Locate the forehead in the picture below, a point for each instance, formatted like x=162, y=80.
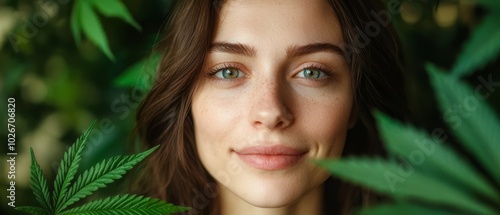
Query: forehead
x=271, y=22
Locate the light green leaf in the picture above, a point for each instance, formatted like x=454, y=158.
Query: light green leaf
x=399, y=181
x=139, y=74
x=68, y=167
x=75, y=22
x=431, y=157
x=115, y=8
x=476, y=124
x=32, y=210
x=103, y=173
x=126, y=204
x=405, y=208
x=92, y=28
x=38, y=184
x=481, y=48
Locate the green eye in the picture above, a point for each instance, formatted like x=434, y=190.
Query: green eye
x=311, y=73
x=229, y=73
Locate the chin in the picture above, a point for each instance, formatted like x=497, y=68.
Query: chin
x=274, y=191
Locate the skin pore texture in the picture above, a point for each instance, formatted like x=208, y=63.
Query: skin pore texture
x=275, y=84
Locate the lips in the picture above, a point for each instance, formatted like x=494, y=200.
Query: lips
x=275, y=157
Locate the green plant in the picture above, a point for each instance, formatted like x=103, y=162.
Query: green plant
x=84, y=18
x=105, y=172
x=423, y=174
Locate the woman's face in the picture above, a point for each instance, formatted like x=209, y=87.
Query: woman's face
x=275, y=92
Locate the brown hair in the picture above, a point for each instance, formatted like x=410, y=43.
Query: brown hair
x=174, y=172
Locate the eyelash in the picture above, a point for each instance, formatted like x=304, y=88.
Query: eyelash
x=328, y=74
x=220, y=67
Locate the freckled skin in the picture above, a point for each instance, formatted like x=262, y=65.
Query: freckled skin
x=272, y=103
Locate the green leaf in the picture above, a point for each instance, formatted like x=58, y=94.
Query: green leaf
x=404, y=208
x=399, y=181
x=103, y=173
x=115, y=8
x=472, y=120
x=68, y=168
x=492, y=4
x=430, y=156
x=481, y=48
x=139, y=74
x=38, y=184
x=126, y=204
x=92, y=28
x=32, y=210
x=75, y=22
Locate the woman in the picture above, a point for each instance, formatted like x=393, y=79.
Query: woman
x=248, y=92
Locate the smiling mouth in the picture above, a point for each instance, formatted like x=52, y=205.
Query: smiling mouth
x=271, y=158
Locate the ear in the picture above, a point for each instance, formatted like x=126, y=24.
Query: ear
x=353, y=118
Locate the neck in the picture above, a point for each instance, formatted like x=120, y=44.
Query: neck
x=311, y=203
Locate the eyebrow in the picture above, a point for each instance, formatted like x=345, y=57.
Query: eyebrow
x=233, y=48
x=296, y=50
x=292, y=51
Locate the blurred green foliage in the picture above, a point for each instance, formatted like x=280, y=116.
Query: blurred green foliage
x=62, y=81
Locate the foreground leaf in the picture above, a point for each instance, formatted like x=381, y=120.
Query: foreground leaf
x=481, y=48
x=68, y=167
x=38, y=184
x=103, y=173
x=430, y=156
x=400, y=181
x=127, y=204
x=476, y=124
x=405, y=208
x=32, y=210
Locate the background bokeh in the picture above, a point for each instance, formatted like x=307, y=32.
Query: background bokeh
x=60, y=86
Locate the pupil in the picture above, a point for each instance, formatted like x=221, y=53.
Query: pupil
x=310, y=73
x=229, y=73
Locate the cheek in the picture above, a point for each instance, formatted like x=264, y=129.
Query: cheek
x=214, y=119
x=325, y=120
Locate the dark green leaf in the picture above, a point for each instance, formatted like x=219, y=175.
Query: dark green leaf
x=476, y=124
x=68, y=168
x=38, y=184
x=404, y=208
x=75, y=22
x=32, y=210
x=115, y=8
x=402, y=181
x=103, y=173
x=481, y=48
x=430, y=156
x=139, y=74
x=491, y=4
x=92, y=28
x=127, y=204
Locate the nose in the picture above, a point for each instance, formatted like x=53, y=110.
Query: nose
x=269, y=109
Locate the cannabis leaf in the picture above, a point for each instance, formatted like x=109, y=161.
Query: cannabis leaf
x=38, y=184
x=481, y=48
x=84, y=18
x=423, y=173
x=105, y=172
x=68, y=168
x=126, y=204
